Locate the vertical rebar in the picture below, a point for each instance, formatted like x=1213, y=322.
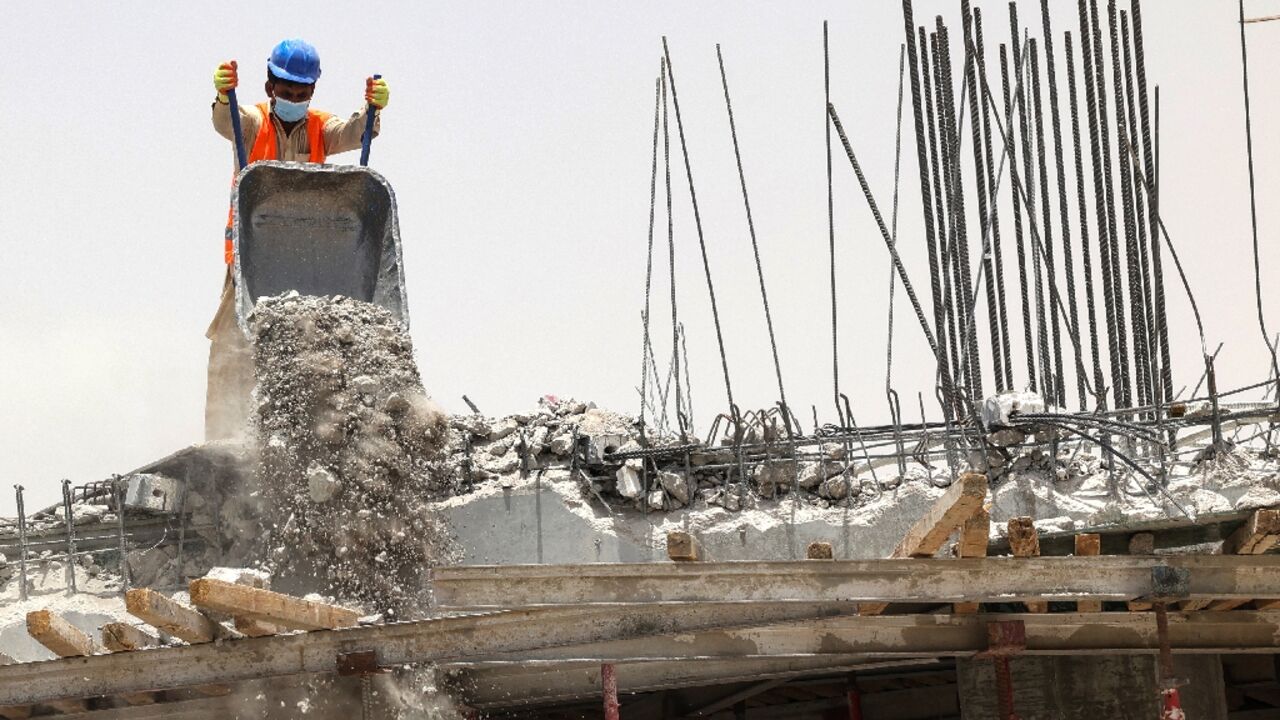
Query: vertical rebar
x=1054, y=390
x=831, y=214
x=69, y=517
x=1127, y=208
x=671, y=257
x=1155, y=393
x=22, y=544
x=1123, y=390
x=1015, y=183
x=1083, y=207
x=994, y=201
x=922, y=163
x=981, y=156
x=939, y=263
x=967, y=336
x=1099, y=197
x=946, y=220
x=1027, y=195
x=646, y=352
x=1055, y=119
x=697, y=222
x=1149, y=164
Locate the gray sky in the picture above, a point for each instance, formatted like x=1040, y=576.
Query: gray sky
x=518, y=142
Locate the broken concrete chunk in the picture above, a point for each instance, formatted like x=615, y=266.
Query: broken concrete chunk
x=656, y=499
x=675, y=486
x=502, y=428
x=629, y=482
x=562, y=444
x=322, y=485
x=836, y=488
x=773, y=477
x=1007, y=437
x=998, y=410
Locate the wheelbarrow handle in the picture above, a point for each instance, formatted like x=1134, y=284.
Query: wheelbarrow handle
x=367, y=139
x=235, y=128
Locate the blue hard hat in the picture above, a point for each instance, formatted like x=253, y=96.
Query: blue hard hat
x=295, y=60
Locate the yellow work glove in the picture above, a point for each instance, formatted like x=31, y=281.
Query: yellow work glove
x=225, y=78
x=376, y=92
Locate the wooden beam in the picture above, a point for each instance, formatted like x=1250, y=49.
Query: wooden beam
x=1266, y=604
x=1025, y=543
x=681, y=546
x=1259, y=534
x=933, y=580
x=140, y=698
x=272, y=607
x=1088, y=545
x=15, y=712
x=170, y=617
x=1222, y=605
x=61, y=637
x=123, y=637
x=959, y=503
x=255, y=628
x=1195, y=605
x=974, y=537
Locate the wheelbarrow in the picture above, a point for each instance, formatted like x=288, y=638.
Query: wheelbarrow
x=319, y=230
x=315, y=229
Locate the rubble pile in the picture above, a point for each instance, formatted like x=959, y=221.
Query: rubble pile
x=350, y=451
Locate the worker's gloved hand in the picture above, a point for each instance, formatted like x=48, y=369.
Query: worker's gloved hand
x=225, y=78
x=376, y=92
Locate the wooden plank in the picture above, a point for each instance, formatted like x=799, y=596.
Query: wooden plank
x=170, y=617
x=123, y=637
x=1259, y=534
x=141, y=698
x=949, y=512
x=681, y=546
x=1226, y=604
x=1025, y=543
x=974, y=536
x=69, y=706
x=1088, y=545
x=1195, y=605
x=1266, y=604
x=255, y=628
x=959, y=503
x=272, y=607
x=15, y=712
x=61, y=637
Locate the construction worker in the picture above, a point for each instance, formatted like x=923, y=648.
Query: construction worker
x=283, y=128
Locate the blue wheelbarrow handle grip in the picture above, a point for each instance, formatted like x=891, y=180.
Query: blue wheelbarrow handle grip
x=367, y=139
x=235, y=128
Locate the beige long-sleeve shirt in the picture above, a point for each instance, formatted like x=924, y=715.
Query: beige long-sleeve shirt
x=339, y=135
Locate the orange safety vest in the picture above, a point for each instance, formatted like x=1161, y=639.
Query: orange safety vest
x=264, y=148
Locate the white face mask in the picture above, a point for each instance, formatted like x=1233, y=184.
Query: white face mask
x=291, y=111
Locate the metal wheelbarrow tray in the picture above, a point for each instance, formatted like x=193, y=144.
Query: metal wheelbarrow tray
x=319, y=230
